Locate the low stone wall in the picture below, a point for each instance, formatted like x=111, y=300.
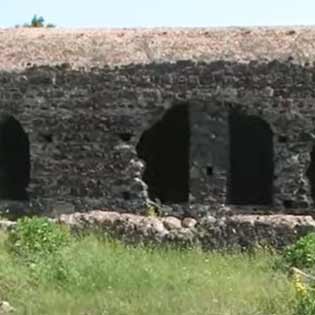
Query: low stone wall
x=210, y=233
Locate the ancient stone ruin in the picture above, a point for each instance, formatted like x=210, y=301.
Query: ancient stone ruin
x=186, y=121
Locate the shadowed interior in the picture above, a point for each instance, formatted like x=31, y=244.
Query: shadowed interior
x=165, y=149
x=14, y=159
x=251, y=160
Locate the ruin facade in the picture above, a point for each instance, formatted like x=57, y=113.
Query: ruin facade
x=186, y=133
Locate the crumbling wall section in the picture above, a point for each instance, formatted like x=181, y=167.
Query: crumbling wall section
x=84, y=127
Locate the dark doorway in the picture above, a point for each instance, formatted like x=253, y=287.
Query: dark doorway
x=251, y=160
x=311, y=173
x=165, y=149
x=14, y=159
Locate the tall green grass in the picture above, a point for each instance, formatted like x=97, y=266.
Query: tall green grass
x=94, y=277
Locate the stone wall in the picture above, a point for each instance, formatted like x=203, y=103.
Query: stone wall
x=209, y=233
x=84, y=128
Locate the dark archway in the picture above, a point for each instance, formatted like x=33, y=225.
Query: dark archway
x=14, y=159
x=165, y=149
x=251, y=160
x=310, y=173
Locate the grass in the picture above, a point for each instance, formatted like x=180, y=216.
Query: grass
x=97, y=277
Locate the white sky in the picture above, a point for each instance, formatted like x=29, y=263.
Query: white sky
x=150, y=13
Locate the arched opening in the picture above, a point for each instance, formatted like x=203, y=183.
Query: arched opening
x=165, y=149
x=251, y=160
x=14, y=159
x=310, y=173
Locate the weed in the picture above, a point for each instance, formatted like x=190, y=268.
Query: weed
x=302, y=253
x=36, y=237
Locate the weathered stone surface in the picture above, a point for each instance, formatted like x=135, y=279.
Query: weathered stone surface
x=6, y=308
x=84, y=124
x=94, y=168
x=13, y=209
x=209, y=219
x=189, y=223
x=6, y=225
x=171, y=223
x=234, y=231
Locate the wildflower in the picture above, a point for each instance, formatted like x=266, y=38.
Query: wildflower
x=299, y=285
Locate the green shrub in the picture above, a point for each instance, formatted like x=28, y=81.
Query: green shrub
x=50, y=25
x=302, y=253
x=305, y=305
x=35, y=237
x=37, y=22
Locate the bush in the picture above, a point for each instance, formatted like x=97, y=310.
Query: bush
x=34, y=237
x=302, y=253
x=50, y=25
x=36, y=22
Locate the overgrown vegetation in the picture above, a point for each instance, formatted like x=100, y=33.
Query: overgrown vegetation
x=45, y=270
x=305, y=297
x=36, y=22
x=37, y=237
x=302, y=255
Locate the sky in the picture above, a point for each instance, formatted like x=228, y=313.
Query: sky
x=154, y=13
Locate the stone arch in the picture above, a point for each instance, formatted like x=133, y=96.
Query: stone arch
x=165, y=149
x=14, y=159
x=251, y=160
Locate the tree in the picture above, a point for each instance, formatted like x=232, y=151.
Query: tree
x=37, y=21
